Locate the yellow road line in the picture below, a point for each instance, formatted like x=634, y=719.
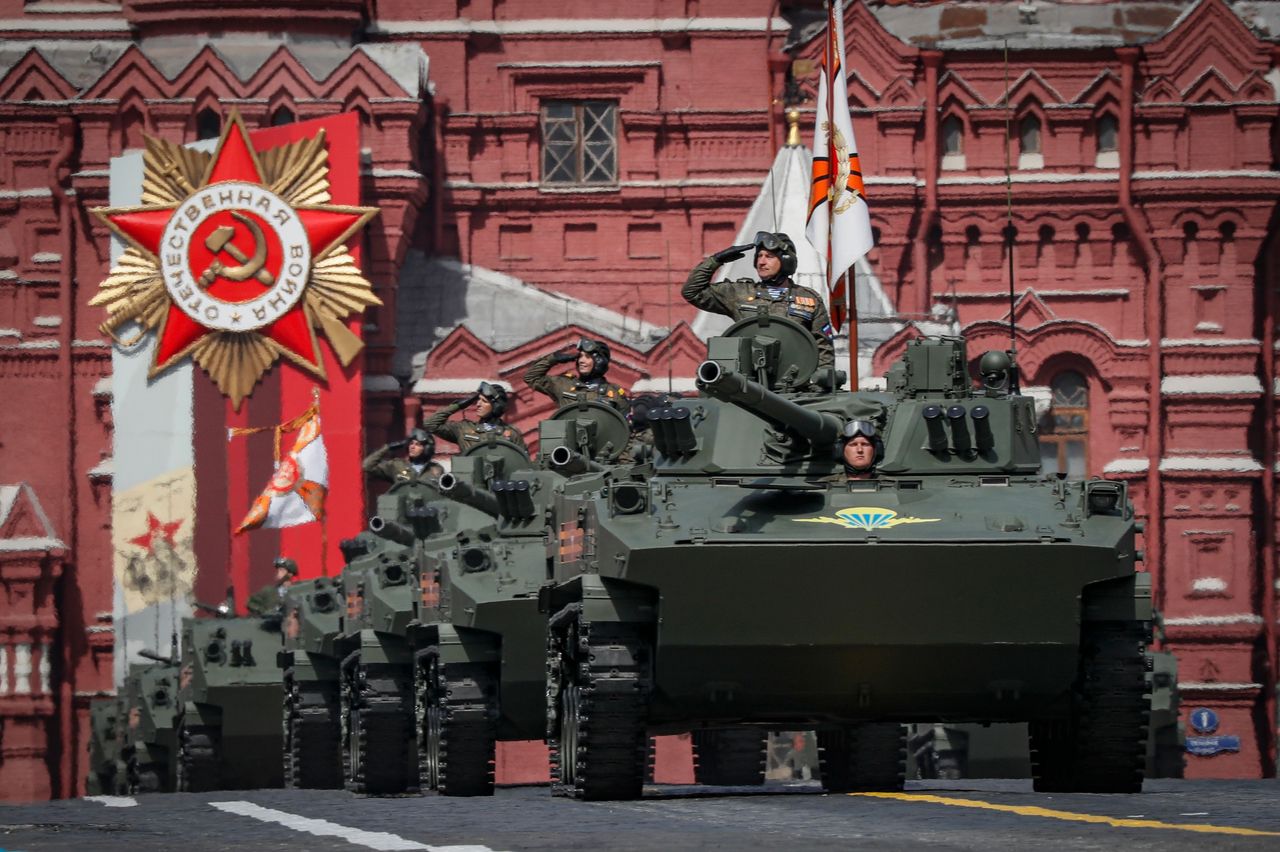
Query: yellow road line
x=1033, y=811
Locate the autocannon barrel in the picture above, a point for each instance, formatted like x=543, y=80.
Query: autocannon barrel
x=817, y=427
x=391, y=531
x=148, y=654
x=566, y=461
x=469, y=495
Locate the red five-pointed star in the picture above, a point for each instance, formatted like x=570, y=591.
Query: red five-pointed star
x=326, y=228
x=147, y=541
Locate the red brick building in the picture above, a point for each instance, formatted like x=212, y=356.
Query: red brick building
x=550, y=169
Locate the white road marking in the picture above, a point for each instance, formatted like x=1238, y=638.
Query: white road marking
x=380, y=840
x=113, y=801
x=1197, y=813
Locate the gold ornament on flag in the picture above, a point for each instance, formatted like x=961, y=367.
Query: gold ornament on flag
x=237, y=259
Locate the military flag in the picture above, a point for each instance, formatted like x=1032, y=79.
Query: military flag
x=839, y=225
x=296, y=493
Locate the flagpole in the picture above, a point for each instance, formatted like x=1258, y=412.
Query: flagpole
x=324, y=515
x=851, y=311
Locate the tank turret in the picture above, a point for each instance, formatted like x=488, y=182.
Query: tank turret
x=817, y=427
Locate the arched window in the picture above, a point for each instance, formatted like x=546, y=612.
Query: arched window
x=1064, y=428
x=1030, y=155
x=208, y=124
x=952, y=143
x=1107, y=133
x=282, y=115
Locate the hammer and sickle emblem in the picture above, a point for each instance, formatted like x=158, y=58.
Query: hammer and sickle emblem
x=249, y=267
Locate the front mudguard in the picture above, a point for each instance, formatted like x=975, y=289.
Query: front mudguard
x=603, y=599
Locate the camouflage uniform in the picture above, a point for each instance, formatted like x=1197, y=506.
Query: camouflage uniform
x=569, y=389
x=748, y=298
x=639, y=447
x=468, y=433
x=396, y=470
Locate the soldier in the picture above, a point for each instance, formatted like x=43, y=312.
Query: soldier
x=491, y=404
x=775, y=293
x=416, y=466
x=268, y=599
x=585, y=382
x=860, y=449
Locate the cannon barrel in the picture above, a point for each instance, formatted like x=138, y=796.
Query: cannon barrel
x=816, y=427
x=220, y=610
x=468, y=495
x=148, y=654
x=566, y=461
x=391, y=531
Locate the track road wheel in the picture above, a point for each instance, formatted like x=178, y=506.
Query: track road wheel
x=378, y=730
x=144, y=778
x=457, y=725
x=864, y=757
x=600, y=679
x=1101, y=746
x=199, y=746
x=730, y=757
x=312, y=736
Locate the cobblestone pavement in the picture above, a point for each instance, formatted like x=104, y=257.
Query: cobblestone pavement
x=959, y=815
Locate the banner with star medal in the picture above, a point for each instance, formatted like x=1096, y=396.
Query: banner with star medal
x=236, y=259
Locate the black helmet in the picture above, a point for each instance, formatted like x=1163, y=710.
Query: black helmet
x=866, y=429
x=782, y=246
x=497, y=396
x=290, y=567
x=600, y=356
x=423, y=437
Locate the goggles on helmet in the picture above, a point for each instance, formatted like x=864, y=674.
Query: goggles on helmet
x=588, y=346
x=768, y=242
x=854, y=428
x=489, y=391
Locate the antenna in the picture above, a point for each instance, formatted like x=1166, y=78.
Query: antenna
x=670, y=369
x=1008, y=228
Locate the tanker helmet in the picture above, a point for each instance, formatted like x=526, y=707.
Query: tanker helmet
x=861, y=428
x=782, y=246
x=423, y=437
x=600, y=356
x=497, y=396
x=287, y=565
x=994, y=368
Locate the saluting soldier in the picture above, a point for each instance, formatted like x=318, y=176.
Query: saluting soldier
x=491, y=403
x=585, y=382
x=775, y=293
x=416, y=466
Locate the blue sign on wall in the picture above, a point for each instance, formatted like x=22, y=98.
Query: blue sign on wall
x=1204, y=720
x=1205, y=746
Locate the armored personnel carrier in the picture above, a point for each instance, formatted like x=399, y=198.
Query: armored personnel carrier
x=376, y=670
x=150, y=747
x=106, y=775
x=229, y=698
x=477, y=635
x=312, y=723
x=657, y=612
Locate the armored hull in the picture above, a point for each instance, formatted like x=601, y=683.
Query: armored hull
x=754, y=580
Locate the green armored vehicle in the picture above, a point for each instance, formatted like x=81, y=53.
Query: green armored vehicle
x=656, y=621
x=150, y=748
x=107, y=772
x=376, y=668
x=229, y=695
x=478, y=636
x=312, y=723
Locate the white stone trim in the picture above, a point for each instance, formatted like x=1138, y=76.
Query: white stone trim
x=1209, y=464
x=46, y=322
x=45, y=668
x=1238, y=383
x=1220, y=173
x=21, y=669
x=658, y=384
x=1101, y=292
x=33, y=192
x=462, y=387
x=613, y=187
x=1206, y=686
x=1208, y=585
x=4, y=670
x=582, y=26
x=1213, y=620
x=102, y=387
x=1127, y=466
